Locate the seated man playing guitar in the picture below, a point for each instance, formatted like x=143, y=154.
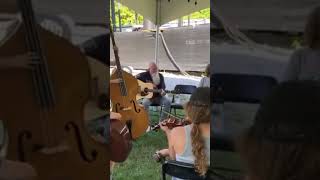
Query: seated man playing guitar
x=153, y=76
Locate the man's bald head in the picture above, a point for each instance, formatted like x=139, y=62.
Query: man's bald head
x=153, y=68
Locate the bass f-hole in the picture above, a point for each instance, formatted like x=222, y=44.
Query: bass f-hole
x=94, y=153
x=135, y=106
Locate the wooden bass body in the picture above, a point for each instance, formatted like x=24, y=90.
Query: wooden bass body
x=54, y=140
x=133, y=113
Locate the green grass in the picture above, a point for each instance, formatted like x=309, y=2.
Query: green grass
x=140, y=165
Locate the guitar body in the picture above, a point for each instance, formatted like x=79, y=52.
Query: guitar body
x=30, y=129
x=133, y=114
x=143, y=87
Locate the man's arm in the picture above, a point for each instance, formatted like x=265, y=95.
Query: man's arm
x=162, y=83
x=141, y=77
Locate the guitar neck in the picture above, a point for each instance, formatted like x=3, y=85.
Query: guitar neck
x=159, y=91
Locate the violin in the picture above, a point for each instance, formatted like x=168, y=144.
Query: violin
x=171, y=122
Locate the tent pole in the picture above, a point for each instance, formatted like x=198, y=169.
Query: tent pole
x=113, y=16
x=157, y=45
x=157, y=31
x=119, y=17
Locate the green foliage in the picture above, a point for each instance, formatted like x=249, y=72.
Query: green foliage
x=296, y=42
x=128, y=16
x=202, y=14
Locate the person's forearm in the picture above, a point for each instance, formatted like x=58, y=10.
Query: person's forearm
x=168, y=136
x=171, y=152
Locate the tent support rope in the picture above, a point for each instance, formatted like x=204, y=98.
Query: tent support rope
x=174, y=63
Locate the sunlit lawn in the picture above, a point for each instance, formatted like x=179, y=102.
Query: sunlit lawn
x=140, y=165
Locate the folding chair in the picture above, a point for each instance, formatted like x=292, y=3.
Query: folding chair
x=181, y=89
x=238, y=88
x=180, y=170
x=235, y=88
x=242, y=88
x=157, y=105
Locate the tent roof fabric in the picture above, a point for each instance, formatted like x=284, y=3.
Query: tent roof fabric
x=169, y=10
x=273, y=15
x=83, y=11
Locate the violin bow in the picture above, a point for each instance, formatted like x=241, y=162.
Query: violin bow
x=168, y=113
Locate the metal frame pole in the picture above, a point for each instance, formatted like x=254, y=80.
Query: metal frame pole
x=113, y=16
x=119, y=15
x=158, y=10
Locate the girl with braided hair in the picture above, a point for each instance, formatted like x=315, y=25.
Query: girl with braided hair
x=191, y=143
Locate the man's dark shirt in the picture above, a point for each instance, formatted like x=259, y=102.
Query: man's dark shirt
x=146, y=77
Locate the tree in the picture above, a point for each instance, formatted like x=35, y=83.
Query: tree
x=128, y=16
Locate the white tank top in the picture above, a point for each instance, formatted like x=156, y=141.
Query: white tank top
x=187, y=155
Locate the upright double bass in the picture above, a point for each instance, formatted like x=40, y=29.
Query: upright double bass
x=43, y=107
x=123, y=97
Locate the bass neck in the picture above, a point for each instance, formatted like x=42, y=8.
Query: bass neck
x=116, y=55
x=122, y=84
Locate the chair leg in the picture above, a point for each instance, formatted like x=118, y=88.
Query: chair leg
x=160, y=112
x=163, y=175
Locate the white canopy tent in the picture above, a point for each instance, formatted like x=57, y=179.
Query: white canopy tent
x=271, y=15
x=77, y=21
x=258, y=15
x=162, y=11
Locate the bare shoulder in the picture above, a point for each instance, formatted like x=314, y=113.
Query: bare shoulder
x=178, y=139
x=177, y=132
